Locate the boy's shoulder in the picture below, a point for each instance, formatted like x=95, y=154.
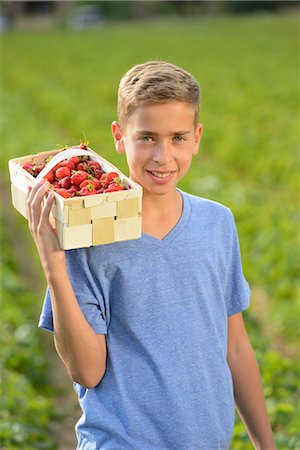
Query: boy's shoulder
x=207, y=206
x=210, y=216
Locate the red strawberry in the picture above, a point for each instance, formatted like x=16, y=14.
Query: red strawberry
x=97, y=183
x=65, y=182
x=103, y=178
x=56, y=167
x=68, y=163
x=40, y=167
x=79, y=166
x=114, y=187
x=74, y=159
x=63, y=192
x=73, y=191
x=29, y=167
x=110, y=177
x=78, y=177
x=89, y=189
x=62, y=172
x=98, y=173
x=84, y=183
x=50, y=176
x=82, y=165
x=94, y=165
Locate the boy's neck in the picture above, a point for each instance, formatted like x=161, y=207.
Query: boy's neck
x=159, y=206
x=160, y=214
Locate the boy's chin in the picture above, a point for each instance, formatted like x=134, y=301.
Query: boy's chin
x=159, y=191
x=152, y=188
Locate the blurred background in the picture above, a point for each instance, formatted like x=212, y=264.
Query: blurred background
x=61, y=63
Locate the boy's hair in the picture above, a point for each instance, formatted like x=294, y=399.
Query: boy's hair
x=156, y=82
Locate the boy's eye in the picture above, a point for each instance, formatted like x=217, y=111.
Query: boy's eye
x=179, y=138
x=146, y=138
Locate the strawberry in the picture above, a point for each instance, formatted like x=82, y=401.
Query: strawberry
x=68, y=163
x=73, y=191
x=96, y=183
x=98, y=173
x=89, y=189
x=62, y=172
x=103, y=178
x=63, y=192
x=114, y=187
x=56, y=167
x=40, y=167
x=94, y=165
x=84, y=183
x=29, y=167
x=74, y=159
x=81, y=166
x=110, y=177
x=65, y=182
x=78, y=177
x=50, y=176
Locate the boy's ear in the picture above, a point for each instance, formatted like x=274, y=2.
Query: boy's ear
x=118, y=137
x=198, y=135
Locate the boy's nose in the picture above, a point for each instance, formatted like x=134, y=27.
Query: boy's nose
x=162, y=153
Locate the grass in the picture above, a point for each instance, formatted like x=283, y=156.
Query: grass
x=58, y=84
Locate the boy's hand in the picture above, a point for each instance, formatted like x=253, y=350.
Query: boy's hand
x=38, y=207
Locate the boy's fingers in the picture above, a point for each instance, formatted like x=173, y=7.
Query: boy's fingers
x=47, y=208
x=32, y=191
x=35, y=203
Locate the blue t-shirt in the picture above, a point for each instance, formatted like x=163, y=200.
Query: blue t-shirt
x=164, y=307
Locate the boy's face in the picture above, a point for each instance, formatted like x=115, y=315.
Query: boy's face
x=159, y=142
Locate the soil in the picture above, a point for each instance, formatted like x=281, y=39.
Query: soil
x=67, y=410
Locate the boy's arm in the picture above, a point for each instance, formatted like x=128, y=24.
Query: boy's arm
x=81, y=349
x=248, y=391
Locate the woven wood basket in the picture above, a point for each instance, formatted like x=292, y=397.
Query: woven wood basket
x=83, y=221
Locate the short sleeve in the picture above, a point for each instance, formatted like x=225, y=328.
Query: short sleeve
x=88, y=291
x=237, y=290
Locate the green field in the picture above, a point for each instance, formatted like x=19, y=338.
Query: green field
x=58, y=85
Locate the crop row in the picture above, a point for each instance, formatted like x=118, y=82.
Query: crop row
x=26, y=406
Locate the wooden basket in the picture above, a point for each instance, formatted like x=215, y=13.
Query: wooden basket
x=83, y=221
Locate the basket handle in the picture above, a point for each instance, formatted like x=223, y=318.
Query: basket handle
x=68, y=153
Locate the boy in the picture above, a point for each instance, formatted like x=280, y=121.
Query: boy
x=151, y=330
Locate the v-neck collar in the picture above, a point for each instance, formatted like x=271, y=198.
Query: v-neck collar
x=179, y=227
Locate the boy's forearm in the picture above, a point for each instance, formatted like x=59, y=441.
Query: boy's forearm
x=76, y=342
x=81, y=349
x=249, y=397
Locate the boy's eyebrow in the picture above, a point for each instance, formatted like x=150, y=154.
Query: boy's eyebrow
x=154, y=133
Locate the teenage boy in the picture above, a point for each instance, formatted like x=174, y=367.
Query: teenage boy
x=151, y=330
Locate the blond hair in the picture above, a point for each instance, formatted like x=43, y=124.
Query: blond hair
x=156, y=82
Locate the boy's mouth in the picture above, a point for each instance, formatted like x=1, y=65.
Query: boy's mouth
x=160, y=177
x=160, y=174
